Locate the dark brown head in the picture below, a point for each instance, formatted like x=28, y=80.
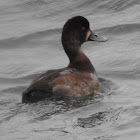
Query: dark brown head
x=76, y=31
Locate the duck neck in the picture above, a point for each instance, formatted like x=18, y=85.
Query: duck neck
x=77, y=58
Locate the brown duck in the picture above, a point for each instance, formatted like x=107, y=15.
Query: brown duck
x=79, y=77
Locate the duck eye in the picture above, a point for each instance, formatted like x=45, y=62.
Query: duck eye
x=83, y=28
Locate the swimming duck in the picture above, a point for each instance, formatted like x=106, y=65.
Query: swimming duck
x=79, y=77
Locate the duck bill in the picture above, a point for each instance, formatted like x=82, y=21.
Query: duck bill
x=94, y=37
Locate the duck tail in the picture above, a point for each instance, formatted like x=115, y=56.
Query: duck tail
x=33, y=96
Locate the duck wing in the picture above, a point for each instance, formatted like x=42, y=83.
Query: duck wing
x=40, y=88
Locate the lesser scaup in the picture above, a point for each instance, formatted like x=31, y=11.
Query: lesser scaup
x=79, y=77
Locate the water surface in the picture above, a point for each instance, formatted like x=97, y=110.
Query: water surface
x=30, y=40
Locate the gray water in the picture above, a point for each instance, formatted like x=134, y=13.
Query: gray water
x=30, y=32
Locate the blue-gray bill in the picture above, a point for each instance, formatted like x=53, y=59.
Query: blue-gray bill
x=94, y=37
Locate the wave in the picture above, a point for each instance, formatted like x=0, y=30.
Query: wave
x=96, y=4
x=121, y=29
x=118, y=5
x=111, y=116
x=53, y=10
x=14, y=90
x=50, y=8
x=16, y=41
x=20, y=79
x=18, y=84
x=118, y=29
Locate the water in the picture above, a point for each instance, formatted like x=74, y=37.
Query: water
x=30, y=32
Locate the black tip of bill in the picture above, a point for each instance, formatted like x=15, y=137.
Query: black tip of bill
x=94, y=37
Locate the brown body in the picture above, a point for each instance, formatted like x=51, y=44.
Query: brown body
x=78, y=78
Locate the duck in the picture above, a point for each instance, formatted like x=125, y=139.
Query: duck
x=79, y=78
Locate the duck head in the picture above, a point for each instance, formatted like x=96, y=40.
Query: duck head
x=77, y=30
